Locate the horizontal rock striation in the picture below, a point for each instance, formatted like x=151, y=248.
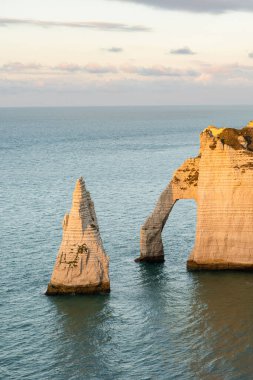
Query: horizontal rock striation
x=82, y=265
x=220, y=180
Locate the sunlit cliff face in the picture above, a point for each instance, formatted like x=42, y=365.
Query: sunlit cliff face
x=220, y=180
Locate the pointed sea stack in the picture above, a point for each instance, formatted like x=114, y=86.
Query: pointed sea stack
x=220, y=180
x=82, y=265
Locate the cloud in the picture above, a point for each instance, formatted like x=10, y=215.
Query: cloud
x=199, y=6
x=225, y=69
x=250, y=55
x=231, y=73
x=95, y=68
x=68, y=84
x=159, y=71
x=96, y=25
x=68, y=67
x=161, y=91
x=19, y=67
x=182, y=51
x=91, y=68
x=114, y=49
x=199, y=72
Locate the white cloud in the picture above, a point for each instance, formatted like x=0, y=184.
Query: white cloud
x=19, y=67
x=97, y=25
x=94, y=84
x=91, y=68
x=158, y=70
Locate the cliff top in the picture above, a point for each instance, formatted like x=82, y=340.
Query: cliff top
x=238, y=139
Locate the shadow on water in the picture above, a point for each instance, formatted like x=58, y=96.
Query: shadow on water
x=78, y=312
x=154, y=287
x=222, y=310
x=82, y=331
x=82, y=320
x=152, y=275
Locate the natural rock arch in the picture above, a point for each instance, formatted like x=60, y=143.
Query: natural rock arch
x=220, y=180
x=182, y=186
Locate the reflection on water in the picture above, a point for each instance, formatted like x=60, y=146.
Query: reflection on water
x=223, y=308
x=81, y=332
x=79, y=313
x=152, y=276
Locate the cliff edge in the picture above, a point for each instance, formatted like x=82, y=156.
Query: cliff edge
x=220, y=180
x=82, y=265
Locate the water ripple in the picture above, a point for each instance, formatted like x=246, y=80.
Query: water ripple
x=159, y=322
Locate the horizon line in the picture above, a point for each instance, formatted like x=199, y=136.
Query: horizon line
x=132, y=105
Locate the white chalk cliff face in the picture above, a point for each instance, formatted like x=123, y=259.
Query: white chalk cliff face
x=220, y=180
x=82, y=265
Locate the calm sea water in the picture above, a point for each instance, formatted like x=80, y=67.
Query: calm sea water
x=159, y=322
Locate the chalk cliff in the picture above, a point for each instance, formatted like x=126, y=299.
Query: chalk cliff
x=82, y=265
x=220, y=180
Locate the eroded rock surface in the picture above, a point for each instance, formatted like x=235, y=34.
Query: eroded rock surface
x=220, y=180
x=82, y=265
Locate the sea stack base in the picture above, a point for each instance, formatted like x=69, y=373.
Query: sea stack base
x=56, y=290
x=150, y=259
x=194, y=266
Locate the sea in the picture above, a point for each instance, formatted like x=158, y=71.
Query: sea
x=159, y=322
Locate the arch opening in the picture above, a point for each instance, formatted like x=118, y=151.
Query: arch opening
x=179, y=232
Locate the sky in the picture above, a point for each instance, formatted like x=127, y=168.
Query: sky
x=126, y=52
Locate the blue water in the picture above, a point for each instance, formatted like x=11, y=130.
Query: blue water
x=159, y=322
